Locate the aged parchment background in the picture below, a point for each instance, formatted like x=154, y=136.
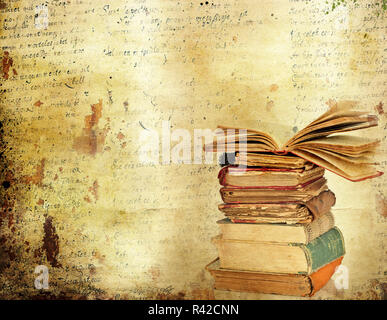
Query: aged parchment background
x=73, y=104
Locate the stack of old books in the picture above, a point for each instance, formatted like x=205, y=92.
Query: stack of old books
x=279, y=234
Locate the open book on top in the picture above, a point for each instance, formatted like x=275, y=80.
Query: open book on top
x=348, y=156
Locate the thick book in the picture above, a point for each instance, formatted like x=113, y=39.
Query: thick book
x=303, y=192
x=292, y=258
x=285, y=233
x=271, y=283
x=274, y=178
x=301, y=212
x=289, y=213
x=348, y=156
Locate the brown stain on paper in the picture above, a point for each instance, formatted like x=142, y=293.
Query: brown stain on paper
x=38, y=176
x=94, y=190
x=38, y=103
x=379, y=108
x=51, y=242
x=381, y=205
x=92, y=138
x=269, y=105
x=273, y=87
x=154, y=273
x=7, y=63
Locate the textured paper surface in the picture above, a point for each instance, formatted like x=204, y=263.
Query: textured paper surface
x=87, y=77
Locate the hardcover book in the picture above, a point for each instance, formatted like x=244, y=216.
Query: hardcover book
x=286, y=233
x=289, y=258
x=304, y=193
x=271, y=283
x=299, y=212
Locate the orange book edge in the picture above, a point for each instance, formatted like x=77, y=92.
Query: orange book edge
x=317, y=279
x=320, y=278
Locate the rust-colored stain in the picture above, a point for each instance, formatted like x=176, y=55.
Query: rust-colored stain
x=172, y=296
x=374, y=291
x=3, y=5
x=381, y=205
x=94, y=190
x=154, y=272
x=38, y=103
x=7, y=63
x=92, y=138
x=120, y=136
x=40, y=202
x=126, y=104
x=274, y=87
x=6, y=254
x=51, y=242
x=7, y=210
x=269, y=105
x=379, y=108
x=38, y=176
x=91, y=121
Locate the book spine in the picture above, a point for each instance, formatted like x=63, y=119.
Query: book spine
x=222, y=175
x=324, y=249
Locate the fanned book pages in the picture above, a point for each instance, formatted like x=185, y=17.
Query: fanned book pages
x=320, y=143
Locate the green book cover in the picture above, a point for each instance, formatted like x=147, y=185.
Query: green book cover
x=324, y=249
